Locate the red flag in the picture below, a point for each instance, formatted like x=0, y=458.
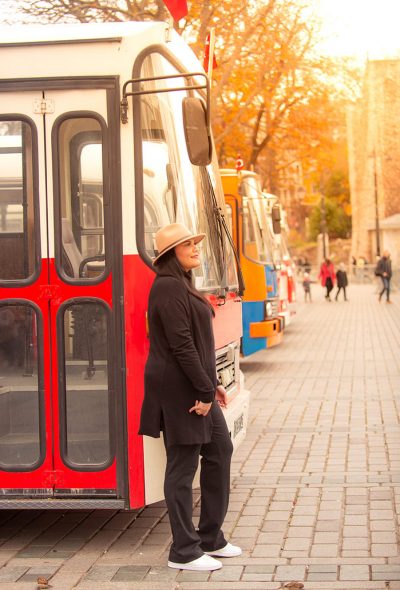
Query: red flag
x=239, y=163
x=206, y=59
x=177, y=8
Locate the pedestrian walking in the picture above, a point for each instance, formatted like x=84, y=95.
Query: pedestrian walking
x=384, y=270
x=183, y=400
x=327, y=276
x=307, y=287
x=341, y=281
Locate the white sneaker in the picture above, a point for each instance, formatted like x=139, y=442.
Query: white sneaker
x=228, y=551
x=201, y=564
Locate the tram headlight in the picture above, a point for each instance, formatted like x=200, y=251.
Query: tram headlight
x=268, y=309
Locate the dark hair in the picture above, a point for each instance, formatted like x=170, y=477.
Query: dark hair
x=168, y=266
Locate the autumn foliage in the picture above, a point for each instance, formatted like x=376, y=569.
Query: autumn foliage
x=275, y=100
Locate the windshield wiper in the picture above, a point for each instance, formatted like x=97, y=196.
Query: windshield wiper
x=221, y=221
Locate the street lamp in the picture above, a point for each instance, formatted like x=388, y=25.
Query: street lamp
x=323, y=223
x=377, y=231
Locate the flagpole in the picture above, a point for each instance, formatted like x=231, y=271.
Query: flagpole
x=211, y=54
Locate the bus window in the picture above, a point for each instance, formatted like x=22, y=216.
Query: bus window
x=85, y=392
x=20, y=435
x=81, y=203
x=17, y=214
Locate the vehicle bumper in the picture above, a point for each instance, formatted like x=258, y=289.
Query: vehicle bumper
x=265, y=329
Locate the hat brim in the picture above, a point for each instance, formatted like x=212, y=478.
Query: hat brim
x=197, y=238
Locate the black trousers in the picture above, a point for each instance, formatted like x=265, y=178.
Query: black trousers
x=329, y=287
x=182, y=462
x=344, y=293
x=386, y=287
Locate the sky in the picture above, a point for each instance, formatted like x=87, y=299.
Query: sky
x=359, y=28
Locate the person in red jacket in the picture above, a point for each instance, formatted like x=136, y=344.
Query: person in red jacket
x=328, y=277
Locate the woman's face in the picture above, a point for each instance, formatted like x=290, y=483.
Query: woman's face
x=187, y=254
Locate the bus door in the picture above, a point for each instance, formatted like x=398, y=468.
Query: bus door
x=57, y=350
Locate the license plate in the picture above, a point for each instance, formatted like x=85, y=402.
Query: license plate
x=238, y=425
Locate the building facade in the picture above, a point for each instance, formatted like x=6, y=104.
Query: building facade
x=374, y=162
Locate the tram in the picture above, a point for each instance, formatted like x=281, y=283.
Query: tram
x=282, y=259
x=254, y=240
x=104, y=138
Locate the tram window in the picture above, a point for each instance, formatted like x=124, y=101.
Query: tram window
x=229, y=217
x=17, y=214
x=251, y=248
x=19, y=388
x=85, y=392
x=81, y=190
x=177, y=190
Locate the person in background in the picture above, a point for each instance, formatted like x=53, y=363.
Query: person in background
x=307, y=287
x=341, y=281
x=327, y=276
x=183, y=399
x=384, y=270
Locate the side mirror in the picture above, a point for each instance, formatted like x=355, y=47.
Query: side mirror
x=197, y=133
x=276, y=218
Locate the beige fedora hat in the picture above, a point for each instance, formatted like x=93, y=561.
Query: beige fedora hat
x=172, y=235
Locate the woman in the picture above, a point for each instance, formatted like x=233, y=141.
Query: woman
x=342, y=281
x=327, y=276
x=183, y=400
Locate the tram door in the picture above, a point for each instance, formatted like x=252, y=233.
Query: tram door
x=57, y=393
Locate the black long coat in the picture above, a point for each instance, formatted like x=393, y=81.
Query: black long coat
x=341, y=279
x=180, y=368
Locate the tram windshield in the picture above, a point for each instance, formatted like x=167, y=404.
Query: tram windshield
x=257, y=234
x=175, y=190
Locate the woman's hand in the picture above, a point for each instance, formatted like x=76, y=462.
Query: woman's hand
x=221, y=396
x=200, y=408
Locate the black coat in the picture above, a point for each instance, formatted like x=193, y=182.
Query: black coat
x=384, y=265
x=181, y=367
x=341, y=279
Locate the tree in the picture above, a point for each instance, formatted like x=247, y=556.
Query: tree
x=274, y=99
x=85, y=11
x=338, y=223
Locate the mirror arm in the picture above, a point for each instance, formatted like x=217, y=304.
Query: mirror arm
x=191, y=86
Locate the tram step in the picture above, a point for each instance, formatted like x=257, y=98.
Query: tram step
x=60, y=504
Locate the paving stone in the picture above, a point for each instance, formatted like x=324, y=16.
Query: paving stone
x=12, y=574
x=228, y=573
x=354, y=572
x=101, y=573
x=287, y=573
x=188, y=576
x=129, y=573
x=321, y=577
x=324, y=550
x=314, y=404
x=384, y=549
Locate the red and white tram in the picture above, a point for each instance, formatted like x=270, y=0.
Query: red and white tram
x=98, y=149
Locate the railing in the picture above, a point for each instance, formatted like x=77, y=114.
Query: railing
x=357, y=275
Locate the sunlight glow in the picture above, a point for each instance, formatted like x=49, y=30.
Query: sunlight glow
x=360, y=28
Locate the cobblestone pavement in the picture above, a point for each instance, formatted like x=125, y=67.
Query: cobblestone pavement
x=315, y=488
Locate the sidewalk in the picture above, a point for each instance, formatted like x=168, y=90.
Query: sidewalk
x=315, y=487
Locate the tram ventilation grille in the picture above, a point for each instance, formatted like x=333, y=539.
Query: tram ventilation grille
x=226, y=370
x=275, y=306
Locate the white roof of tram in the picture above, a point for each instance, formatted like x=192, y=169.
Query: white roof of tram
x=24, y=34
x=93, y=49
